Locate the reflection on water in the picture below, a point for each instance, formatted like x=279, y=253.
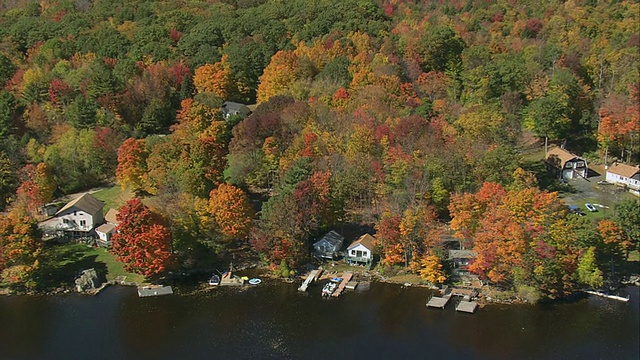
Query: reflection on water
x=277, y=322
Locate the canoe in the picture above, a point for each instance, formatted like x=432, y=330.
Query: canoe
x=255, y=281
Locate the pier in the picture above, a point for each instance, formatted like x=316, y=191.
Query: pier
x=313, y=276
x=345, y=279
x=614, y=297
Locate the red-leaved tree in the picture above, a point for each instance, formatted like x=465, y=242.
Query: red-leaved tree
x=143, y=241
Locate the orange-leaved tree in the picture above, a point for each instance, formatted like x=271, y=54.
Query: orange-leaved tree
x=231, y=210
x=20, y=247
x=132, y=164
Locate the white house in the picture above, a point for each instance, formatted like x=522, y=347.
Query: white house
x=80, y=216
x=624, y=175
x=328, y=246
x=361, y=251
x=568, y=165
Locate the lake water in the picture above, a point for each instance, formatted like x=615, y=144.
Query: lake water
x=275, y=321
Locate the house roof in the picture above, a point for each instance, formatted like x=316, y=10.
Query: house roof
x=236, y=108
x=462, y=254
x=111, y=216
x=105, y=228
x=561, y=154
x=365, y=240
x=84, y=202
x=332, y=238
x=623, y=169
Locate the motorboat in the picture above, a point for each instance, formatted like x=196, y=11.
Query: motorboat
x=329, y=288
x=215, y=280
x=255, y=281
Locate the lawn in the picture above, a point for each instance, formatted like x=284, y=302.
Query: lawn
x=62, y=263
x=113, y=197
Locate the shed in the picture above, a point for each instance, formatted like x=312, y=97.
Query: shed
x=105, y=231
x=329, y=245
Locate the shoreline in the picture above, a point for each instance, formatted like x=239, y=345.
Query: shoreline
x=264, y=272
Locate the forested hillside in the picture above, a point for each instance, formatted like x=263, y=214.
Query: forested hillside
x=375, y=112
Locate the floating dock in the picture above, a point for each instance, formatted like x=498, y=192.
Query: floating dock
x=467, y=306
x=351, y=285
x=346, y=277
x=614, y=297
x=313, y=276
x=154, y=290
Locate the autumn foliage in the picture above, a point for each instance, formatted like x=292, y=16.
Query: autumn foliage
x=142, y=241
x=231, y=211
x=20, y=247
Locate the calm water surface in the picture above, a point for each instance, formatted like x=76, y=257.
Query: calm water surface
x=275, y=321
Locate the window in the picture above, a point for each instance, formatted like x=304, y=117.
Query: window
x=65, y=221
x=353, y=252
x=83, y=223
x=75, y=213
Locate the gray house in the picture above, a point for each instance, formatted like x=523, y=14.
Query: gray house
x=230, y=108
x=461, y=259
x=328, y=246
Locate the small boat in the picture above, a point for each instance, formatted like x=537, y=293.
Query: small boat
x=328, y=289
x=255, y=281
x=336, y=279
x=215, y=280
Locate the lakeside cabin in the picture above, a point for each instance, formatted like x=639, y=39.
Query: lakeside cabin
x=328, y=246
x=361, y=251
x=76, y=219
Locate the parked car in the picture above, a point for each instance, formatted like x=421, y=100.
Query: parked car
x=590, y=207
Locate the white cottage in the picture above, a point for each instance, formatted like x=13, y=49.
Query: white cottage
x=361, y=251
x=80, y=216
x=568, y=165
x=624, y=175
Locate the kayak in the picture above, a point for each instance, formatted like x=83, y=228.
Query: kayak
x=255, y=281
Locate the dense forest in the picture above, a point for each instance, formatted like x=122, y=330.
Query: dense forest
x=400, y=115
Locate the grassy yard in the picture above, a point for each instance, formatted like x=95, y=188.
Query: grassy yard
x=113, y=197
x=62, y=263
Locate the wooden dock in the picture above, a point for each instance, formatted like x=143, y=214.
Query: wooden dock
x=467, y=306
x=439, y=302
x=345, y=279
x=313, y=276
x=154, y=290
x=613, y=297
